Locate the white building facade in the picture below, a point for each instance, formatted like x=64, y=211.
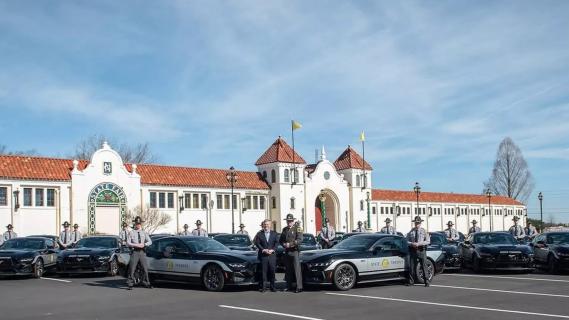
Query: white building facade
x=38, y=194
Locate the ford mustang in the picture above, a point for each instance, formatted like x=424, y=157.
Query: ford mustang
x=98, y=254
x=239, y=242
x=552, y=251
x=495, y=251
x=367, y=257
x=27, y=256
x=452, y=259
x=200, y=260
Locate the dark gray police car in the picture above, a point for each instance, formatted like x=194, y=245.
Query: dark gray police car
x=551, y=250
x=28, y=256
x=366, y=257
x=97, y=254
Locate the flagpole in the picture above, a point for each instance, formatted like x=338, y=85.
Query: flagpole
x=293, y=152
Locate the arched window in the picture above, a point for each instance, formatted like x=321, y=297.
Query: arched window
x=274, y=202
x=358, y=180
x=292, y=203
x=362, y=205
x=286, y=176
x=273, y=176
x=265, y=175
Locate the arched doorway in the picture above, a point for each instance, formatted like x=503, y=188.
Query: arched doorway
x=107, y=208
x=326, y=204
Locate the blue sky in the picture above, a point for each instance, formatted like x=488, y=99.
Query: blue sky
x=435, y=85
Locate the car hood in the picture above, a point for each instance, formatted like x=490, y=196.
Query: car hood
x=450, y=249
x=240, y=248
x=87, y=251
x=497, y=248
x=321, y=255
x=18, y=254
x=237, y=256
x=562, y=248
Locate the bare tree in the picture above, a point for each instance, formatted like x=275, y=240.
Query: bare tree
x=153, y=218
x=4, y=150
x=511, y=176
x=139, y=153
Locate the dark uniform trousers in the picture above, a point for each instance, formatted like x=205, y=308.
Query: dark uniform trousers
x=417, y=256
x=138, y=255
x=292, y=265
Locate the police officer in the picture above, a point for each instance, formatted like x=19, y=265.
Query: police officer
x=138, y=240
x=388, y=229
x=530, y=230
x=124, y=233
x=516, y=230
x=65, y=239
x=76, y=234
x=474, y=228
x=360, y=227
x=418, y=239
x=327, y=234
x=9, y=234
x=198, y=231
x=290, y=239
x=451, y=233
x=242, y=230
x=186, y=232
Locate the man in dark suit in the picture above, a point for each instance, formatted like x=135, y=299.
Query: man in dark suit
x=266, y=241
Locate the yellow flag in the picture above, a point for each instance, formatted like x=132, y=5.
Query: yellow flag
x=362, y=136
x=296, y=125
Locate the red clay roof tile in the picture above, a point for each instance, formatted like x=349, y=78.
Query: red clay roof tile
x=410, y=196
x=350, y=159
x=279, y=151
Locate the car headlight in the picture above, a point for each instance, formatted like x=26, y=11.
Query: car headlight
x=562, y=254
x=26, y=260
x=318, y=264
x=237, y=265
x=104, y=258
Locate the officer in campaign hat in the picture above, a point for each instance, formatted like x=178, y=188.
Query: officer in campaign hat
x=451, y=233
x=360, y=227
x=516, y=230
x=388, y=229
x=327, y=234
x=9, y=234
x=291, y=239
x=65, y=239
x=474, y=228
x=530, y=230
x=76, y=234
x=242, y=230
x=186, y=232
x=124, y=233
x=199, y=231
x=418, y=239
x=138, y=240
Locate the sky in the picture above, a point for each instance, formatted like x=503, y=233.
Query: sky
x=435, y=85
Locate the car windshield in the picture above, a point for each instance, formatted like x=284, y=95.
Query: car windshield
x=202, y=244
x=308, y=239
x=558, y=238
x=494, y=238
x=357, y=243
x=24, y=244
x=233, y=240
x=437, y=239
x=97, y=243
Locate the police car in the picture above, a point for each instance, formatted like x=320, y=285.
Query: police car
x=200, y=260
x=97, y=254
x=27, y=256
x=367, y=257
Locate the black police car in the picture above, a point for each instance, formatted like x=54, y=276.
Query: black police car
x=495, y=251
x=239, y=242
x=200, y=260
x=551, y=250
x=308, y=243
x=453, y=259
x=367, y=257
x=28, y=256
x=97, y=254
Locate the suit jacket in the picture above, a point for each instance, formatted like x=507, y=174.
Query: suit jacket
x=262, y=243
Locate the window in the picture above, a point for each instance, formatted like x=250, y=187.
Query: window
x=295, y=175
x=28, y=197
x=3, y=196
x=391, y=210
x=152, y=199
x=50, y=198
x=170, y=200
x=381, y=210
x=219, y=201
x=262, y=202
x=39, y=197
x=273, y=176
x=361, y=205
x=292, y=203
x=358, y=180
x=234, y=204
x=248, y=202
x=364, y=180
x=286, y=176
x=226, y=199
x=255, y=202
x=273, y=202
x=162, y=200
x=195, y=201
x=204, y=201
x=373, y=210
x=187, y=200
x=264, y=175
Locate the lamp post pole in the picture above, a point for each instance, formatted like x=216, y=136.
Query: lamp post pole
x=322, y=198
x=540, y=197
x=368, y=211
x=489, y=195
x=232, y=178
x=417, y=190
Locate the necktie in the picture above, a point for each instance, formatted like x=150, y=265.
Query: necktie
x=75, y=236
x=9, y=235
x=65, y=241
x=139, y=240
x=416, y=235
x=199, y=233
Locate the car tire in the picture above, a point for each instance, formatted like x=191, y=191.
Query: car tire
x=212, y=278
x=551, y=265
x=476, y=264
x=113, y=267
x=430, y=266
x=38, y=269
x=344, y=277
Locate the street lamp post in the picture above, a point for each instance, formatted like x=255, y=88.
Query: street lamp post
x=232, y=178
x=489, y=195
x=540, y=197
x=368, y=211
x=322, y=198
x=417, y=190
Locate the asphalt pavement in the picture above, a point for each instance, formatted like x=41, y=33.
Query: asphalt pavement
x=452, y=296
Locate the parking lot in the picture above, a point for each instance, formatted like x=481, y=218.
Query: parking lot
x=451, y=296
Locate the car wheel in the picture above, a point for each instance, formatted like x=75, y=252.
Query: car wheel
x=551, y=265
x=429, y=267
x=476, y=264
x=212, y=278
x=114, y=267
x=38, y=269
x=344, y=277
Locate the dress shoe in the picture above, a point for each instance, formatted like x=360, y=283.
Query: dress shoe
x=298, y=291
x=273, y=290
x=149, y=286
x=427, y=284
x=129, y=288
x=262, y=290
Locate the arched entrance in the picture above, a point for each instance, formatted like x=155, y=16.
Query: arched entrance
x=107, y=208
x=326, y=204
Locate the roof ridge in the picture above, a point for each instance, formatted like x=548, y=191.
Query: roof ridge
x=185, y=167
x=39, y=157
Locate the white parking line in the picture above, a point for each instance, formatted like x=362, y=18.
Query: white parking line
x=503, y=291
x=269, y=312
x=52, y=279
x=451, y=305
x=502, y=277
